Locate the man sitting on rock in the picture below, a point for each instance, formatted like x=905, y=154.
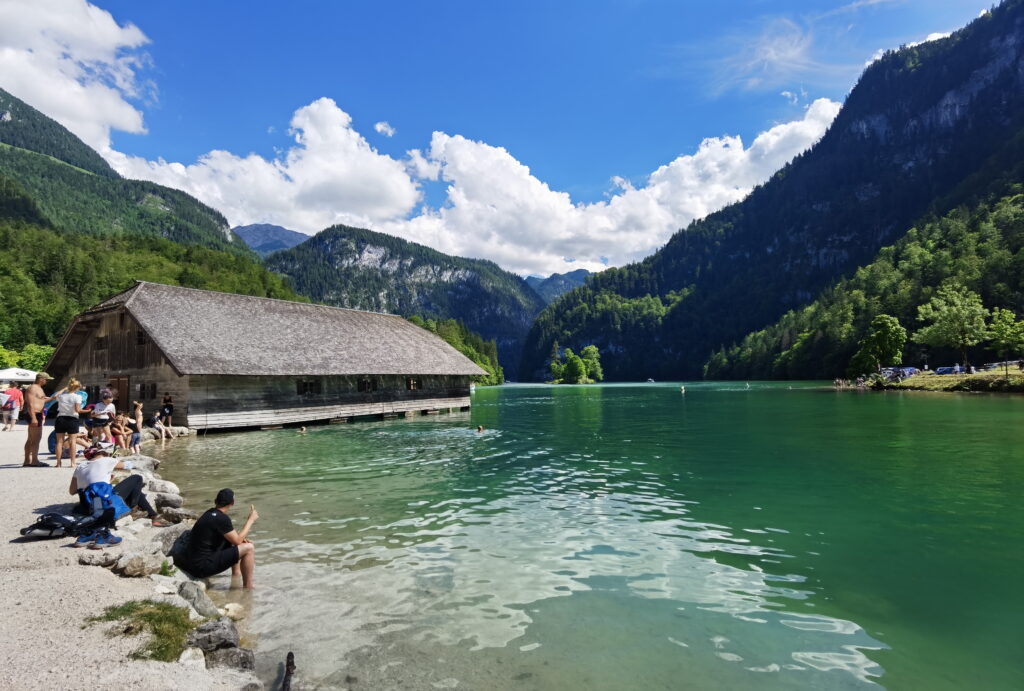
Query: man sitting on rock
x=98, y=468
x=214, y=544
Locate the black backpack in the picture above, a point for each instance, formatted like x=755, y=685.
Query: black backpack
x=54, y=525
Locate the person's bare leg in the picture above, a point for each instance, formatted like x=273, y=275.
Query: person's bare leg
x=35, y=433
x=248, y=563
x=61, y=438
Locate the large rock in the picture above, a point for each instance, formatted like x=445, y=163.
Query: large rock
x=161, y=500
x=145, y=465
x=140, y=563
x=235, y=658
x=173, y=538
x=214, y=635
x=94, y=557
x=178, y=515
x=193, y=657
x=198, y=598
x=163, y=486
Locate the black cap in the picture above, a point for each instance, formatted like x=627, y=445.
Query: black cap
x=225, y=497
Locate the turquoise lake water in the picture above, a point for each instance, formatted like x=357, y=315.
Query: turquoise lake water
x=784, y=536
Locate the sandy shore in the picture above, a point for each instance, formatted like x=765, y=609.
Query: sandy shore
x=46, y=596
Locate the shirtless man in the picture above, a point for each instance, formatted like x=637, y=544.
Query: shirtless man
x=35, y=399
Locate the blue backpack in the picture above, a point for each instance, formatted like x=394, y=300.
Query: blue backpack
x=100, y=496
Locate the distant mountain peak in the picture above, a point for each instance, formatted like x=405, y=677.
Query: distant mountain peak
x=553, y=286
x=264, y=238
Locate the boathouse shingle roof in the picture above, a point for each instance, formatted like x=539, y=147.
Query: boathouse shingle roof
x=205, y=332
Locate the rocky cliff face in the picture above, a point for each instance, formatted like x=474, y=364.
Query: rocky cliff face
x=917, y=135
x=361, y=269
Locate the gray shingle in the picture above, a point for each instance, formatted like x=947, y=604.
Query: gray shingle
x=204, y=332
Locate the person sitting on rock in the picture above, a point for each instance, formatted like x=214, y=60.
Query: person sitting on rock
x=214, y=545
x=99, y=467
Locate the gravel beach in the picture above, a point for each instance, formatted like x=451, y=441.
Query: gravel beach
x=46, y=596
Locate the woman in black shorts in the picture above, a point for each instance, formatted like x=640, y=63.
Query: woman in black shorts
x=69, y=407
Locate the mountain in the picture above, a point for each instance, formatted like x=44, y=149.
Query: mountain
x=77, y=191
x=981, y=248
x=363, y=269
x=917, y=135
x=73, y=232
x=556, y=284
x=264, y=238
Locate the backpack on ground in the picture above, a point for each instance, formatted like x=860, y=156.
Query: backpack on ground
x=54, y=525
x=50, y=525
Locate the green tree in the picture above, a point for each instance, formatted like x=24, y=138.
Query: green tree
x=575, y=369
x=8, y=358
x=34, y=357
x=957, y=319
x=1007, y=335
x=592, y=359
x=882, y=346
x=556, y=366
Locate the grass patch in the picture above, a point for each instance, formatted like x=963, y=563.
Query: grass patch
x=168, y=626
x=989, y=381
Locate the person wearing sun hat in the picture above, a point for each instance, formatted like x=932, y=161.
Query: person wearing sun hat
x=214, y=545
x=35, y=400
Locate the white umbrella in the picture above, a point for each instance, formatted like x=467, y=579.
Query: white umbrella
x=17, y=374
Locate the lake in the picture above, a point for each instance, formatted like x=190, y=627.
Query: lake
x=781, y=536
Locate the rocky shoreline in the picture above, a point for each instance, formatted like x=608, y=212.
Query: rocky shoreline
x=51, y=590
x=147, y=551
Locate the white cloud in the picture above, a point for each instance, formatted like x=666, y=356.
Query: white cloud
x=82, y=69
x=74, y=62
x=384, y=128
x=936, y=36
x=329, y=175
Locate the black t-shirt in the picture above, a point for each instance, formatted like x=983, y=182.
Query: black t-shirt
x=208, y=536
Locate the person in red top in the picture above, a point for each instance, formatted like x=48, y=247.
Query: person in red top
x=12, y=406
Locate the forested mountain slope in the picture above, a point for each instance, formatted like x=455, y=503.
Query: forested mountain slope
x=915, y=136
x=51, y=275
x=362, y=269
x=77, y=191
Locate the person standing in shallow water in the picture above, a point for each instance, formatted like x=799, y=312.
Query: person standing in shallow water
x=214, y=545
x=167, y=411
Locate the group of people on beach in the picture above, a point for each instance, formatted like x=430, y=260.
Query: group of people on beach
x=101, y=420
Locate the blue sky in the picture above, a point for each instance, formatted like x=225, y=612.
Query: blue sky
x=592, y=97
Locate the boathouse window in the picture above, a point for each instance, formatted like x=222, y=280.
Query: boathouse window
x=146, y=391
x=100, y=343
x=366, y=385
x=141, y=338
x=413, y=383
x=307, y=387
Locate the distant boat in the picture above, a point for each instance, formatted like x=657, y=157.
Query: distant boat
x=682, y=389
x=650, y=381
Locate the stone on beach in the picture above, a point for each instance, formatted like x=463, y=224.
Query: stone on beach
x=173, y=538
x=198, y=598
x=216, y=634
x=139, y=563
x=236, y=658
x=233, y=610
x=162, y=486
x=193, y=657
x=161, y=500
x=178, y=515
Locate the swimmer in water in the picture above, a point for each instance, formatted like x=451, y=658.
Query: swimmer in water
x=302, y=430
x=479, y=429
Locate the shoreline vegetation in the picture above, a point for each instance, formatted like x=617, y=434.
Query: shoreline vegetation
x=983, y=382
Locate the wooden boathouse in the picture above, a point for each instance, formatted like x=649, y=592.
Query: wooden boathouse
x=234, y=361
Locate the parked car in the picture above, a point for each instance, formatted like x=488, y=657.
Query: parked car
x=943, y=370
